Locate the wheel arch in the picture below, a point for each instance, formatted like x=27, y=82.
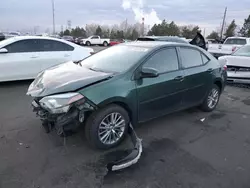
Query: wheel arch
x=120, y=101
x=218, y=82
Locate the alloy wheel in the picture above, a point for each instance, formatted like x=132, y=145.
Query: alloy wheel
x=213, y=98
x=111, y=128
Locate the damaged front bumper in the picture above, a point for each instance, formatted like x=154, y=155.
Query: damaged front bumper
x=62, y=122
x=134, y=155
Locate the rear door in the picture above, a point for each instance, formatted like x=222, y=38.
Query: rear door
x=198, y=75
x=54, y=52
x=160, y=95
x=21, y=61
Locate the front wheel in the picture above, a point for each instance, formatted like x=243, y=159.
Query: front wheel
x=211, y=100
x=88, y=43
x=107, y=127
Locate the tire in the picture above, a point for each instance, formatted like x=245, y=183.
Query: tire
x=88, y=43
x=205, y=106
x=105, y=43
x=92, y=128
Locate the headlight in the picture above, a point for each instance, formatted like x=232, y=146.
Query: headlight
x=36, y=86
x=60, y=103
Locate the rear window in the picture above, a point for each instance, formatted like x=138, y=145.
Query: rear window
x=165, y=39
x=243, y=51
x=145, y=39
x=236, y=41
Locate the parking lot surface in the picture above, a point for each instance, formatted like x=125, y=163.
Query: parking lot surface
x=189, y=149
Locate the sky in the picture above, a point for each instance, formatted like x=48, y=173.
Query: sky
x=27, y=15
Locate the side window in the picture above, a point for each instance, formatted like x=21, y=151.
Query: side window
x=204, y=58
x=46, y=45
x=95, y=37
x=51, y=45
x=23, y=46
x=164, y=61
x=190, y=57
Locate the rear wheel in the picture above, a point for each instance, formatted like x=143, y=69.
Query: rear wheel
x=211, y=99
x=105, y=43
x=107, y=127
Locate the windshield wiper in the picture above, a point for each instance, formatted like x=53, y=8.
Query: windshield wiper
x=79, y=62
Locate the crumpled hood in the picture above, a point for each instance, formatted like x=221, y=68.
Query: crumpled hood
x=64, y=78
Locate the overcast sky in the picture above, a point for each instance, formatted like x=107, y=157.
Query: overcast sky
x=26, y=14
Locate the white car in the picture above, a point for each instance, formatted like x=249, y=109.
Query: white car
x=238, y=65
x=230, y=45
x=95, y=40
x=23, y=57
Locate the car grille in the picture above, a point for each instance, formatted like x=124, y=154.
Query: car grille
x=238, y=68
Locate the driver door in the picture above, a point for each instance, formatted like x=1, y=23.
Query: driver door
x=95, y=40
x=163, y=94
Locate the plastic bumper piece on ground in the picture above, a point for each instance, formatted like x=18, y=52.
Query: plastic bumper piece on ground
x=133, y=157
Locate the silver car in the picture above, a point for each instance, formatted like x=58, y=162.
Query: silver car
x=238, y=65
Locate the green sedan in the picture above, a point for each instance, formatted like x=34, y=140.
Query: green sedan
x=127, y=83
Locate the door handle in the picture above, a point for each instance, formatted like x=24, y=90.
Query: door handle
x=179, y=78
x=66, y=55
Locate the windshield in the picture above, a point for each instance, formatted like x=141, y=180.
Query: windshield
x=115, y=59
x=243, y=51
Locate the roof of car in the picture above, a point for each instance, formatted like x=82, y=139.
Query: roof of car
x=164, y=38
x=153, y=44
x=17, y=38
x=238, y=38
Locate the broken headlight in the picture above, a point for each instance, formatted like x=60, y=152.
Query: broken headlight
x=60, y=103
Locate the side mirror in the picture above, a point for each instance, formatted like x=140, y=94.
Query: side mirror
x=148, y=72
x=3, y=50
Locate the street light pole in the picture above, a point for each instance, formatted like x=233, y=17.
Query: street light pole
x=53, y=13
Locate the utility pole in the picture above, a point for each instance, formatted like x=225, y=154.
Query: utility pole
x=204, y=32
x=143, y=27
x=53, y=14
x=223, y=24
x=126, y=28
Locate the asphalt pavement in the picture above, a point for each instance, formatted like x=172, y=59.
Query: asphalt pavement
x=188, y=149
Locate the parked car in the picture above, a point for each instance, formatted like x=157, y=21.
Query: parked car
x=6, y=35
x=68, y=38
x=116, y=41
x=230, y=45
x=95, y=40
x=212, y=41
x=2, y=36
x=198, y=40
x=24, y=57
x=131, y=82
x=78, y=40
x=238, y=65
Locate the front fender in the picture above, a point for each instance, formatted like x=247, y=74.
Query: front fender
x=117, y=91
